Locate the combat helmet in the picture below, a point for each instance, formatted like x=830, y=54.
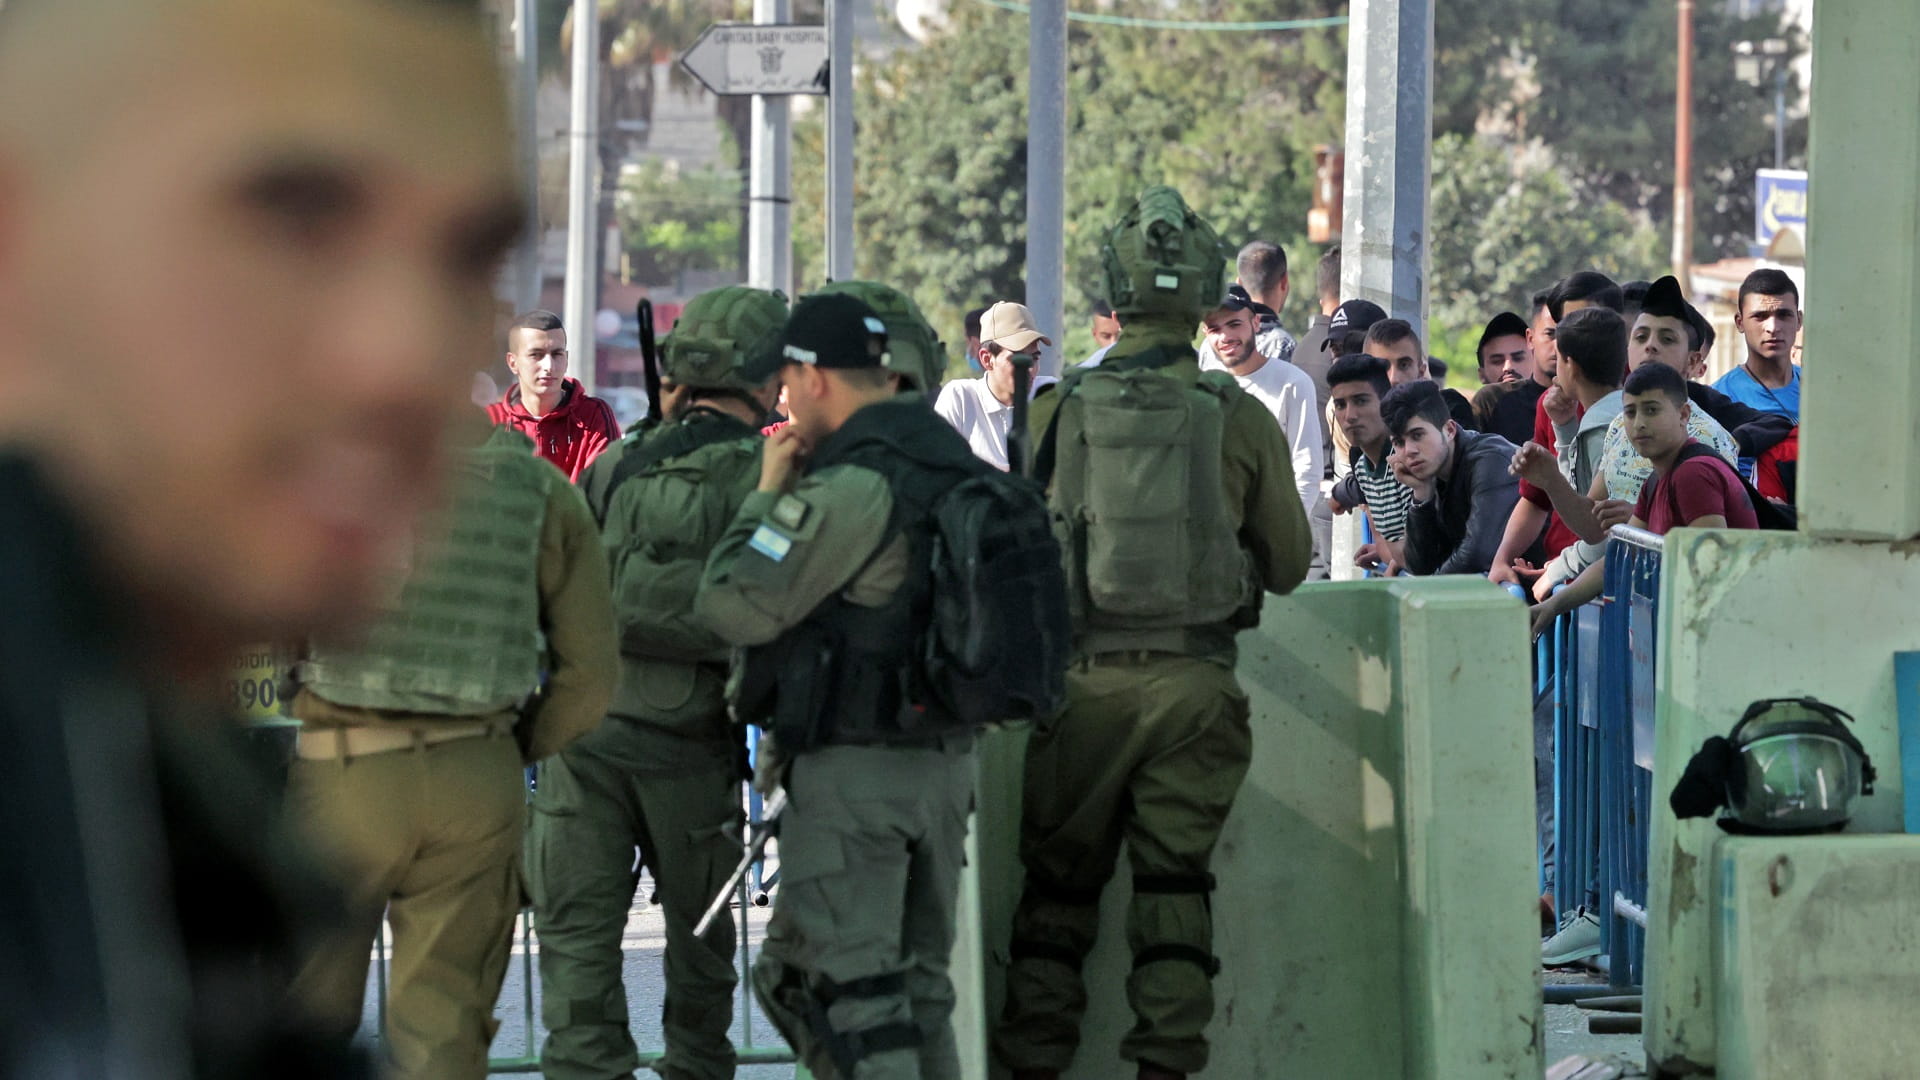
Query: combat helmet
x=716, y=332
x=1163, y=261
x=914, y=350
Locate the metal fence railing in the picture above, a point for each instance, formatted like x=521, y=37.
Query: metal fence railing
x=1628, y=646
x=1599, y=660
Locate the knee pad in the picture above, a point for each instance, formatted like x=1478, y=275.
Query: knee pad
x=847, y=1048
x=1200, y=883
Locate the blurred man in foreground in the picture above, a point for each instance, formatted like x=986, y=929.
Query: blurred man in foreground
x=320, y=187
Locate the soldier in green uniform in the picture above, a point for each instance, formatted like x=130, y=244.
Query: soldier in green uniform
x=412, y=740
x=822, y=576
x=1173, y=518
x=662, y=773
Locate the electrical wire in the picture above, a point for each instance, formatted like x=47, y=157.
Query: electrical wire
x=1177, y=24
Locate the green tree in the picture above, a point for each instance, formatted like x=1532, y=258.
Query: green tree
x=940, y=159
x=674, y=220
x=1504, y=226
x=1604, y=73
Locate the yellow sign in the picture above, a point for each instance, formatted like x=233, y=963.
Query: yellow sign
x=253, y=684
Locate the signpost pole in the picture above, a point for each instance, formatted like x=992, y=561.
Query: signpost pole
x=769, y=220
x=1047, y=172
x=840, y=140
x=583, y=158
x=526, y=48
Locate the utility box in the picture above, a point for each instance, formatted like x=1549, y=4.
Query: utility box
x=1817, y=956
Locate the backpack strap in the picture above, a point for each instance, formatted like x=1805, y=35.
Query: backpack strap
x=1043, y=461
x=1765, y=513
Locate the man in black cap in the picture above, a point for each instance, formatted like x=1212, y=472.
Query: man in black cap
x=1507, y=369
x=817, y=579
x=1503, y=353
x=1347, y=330
x=1671, y=331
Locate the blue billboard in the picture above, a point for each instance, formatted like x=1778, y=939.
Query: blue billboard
x=1779, y=202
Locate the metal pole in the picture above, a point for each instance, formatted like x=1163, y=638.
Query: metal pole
x=1683, y=154
x=583, y=163
x=1047, y=172
x=1388, y=147
x=526, y=50
x=840, y=34
x=770, y=192
x=1780, y=113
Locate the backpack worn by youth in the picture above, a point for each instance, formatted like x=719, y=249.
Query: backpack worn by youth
x=1134, y=459
x=1779, y=517
x=669, y=501
x=977, y=634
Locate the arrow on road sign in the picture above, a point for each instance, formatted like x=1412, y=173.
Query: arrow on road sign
x=745, y=58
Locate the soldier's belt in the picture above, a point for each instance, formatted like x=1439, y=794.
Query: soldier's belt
x=333, y=743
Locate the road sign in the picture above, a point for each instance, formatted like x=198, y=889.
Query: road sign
x=744, y=58
x=1779, y=202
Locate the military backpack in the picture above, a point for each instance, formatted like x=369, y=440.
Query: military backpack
x=1134, y=460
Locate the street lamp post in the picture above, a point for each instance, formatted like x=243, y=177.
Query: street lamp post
x=1751, y=62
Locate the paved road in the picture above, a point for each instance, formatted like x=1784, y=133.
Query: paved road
x=644, y=943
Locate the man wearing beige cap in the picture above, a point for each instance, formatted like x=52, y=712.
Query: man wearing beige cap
x=981, y=409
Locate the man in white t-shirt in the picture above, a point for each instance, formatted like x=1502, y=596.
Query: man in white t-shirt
x=981, y=409
x=1233, y=345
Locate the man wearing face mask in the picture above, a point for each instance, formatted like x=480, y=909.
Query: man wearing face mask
x=981, y=409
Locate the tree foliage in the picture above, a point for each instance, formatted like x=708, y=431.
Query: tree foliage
x=1594, y=81
x=1505, y=226
x=1229, y=118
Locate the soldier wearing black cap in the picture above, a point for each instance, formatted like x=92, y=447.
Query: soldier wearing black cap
x=816, y=579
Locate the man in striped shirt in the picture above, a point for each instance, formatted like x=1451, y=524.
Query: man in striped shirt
x=1355, y=385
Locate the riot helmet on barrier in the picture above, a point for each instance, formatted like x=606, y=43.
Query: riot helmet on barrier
x=1791, y=765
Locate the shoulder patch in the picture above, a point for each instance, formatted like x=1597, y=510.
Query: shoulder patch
x=790, y=512
x=768, y=541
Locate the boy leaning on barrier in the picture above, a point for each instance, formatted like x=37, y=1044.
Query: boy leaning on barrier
x=1692, y=486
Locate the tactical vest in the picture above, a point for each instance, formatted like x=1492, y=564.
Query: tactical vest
x=849, y=674
x=1134, y=459
x=673, y=497
x=463, y=637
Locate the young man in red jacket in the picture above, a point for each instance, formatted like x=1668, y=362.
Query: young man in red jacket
x=567, y=427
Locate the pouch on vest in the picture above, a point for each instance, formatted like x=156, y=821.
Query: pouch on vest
x=1138, y=502
x=654, y=593
x=662, y=522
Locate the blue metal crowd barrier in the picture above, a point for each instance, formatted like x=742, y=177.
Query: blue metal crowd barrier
x=1599, y=661
x=1628, y=646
